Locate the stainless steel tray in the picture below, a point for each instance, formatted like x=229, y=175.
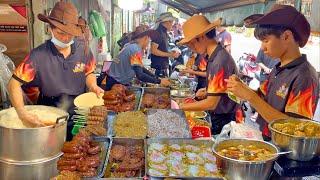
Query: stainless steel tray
x=105, y=143
x=182, y=93
x=177, y=111
x=138, y=92
x=179, y=141
x=207, y=118
x=111, y=132
x=127, y=142
x=153, y=91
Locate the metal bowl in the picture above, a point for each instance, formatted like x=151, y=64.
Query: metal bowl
x=303, y=148
x=244, y=170
x=180, y=86
x=182, y=93
x=153, y=85
x=196, y=114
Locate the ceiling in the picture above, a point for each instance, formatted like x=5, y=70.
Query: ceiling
x=191, y=7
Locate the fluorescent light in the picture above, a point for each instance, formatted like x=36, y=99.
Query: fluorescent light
x=131, y=5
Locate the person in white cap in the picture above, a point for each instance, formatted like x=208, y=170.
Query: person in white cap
x=159, y=47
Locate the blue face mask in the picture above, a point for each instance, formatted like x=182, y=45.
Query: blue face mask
x=56, y=42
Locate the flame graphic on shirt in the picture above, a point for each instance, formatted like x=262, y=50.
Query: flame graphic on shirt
x=25, y=70
x=89, y=68
x=264, y=87
x=216, y=84
x=202, y=64
x=303, y=103
x=136, y=59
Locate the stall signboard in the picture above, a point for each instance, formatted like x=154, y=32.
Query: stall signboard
x=13, y=28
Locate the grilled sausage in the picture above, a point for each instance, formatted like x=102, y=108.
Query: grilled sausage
x=70, y=147
x=130, y=97
x=66, y=162
x=73, y=155
x=88, y=173
x=67, y=168
x=94, y=150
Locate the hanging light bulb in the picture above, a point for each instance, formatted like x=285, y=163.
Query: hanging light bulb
x=131, y=5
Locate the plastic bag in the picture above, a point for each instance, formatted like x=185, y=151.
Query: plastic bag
x=235, y=130
x=6, y=68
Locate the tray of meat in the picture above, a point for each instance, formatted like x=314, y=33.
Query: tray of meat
x=84, y=155
x=121, y=98
x=181, y=158
x=155, y=98
x=126, y=159
x=108, y=125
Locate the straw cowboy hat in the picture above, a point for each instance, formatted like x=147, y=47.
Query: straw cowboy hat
x=196, y=26
x=143, y=30
x=285, y=16
x=64, y=16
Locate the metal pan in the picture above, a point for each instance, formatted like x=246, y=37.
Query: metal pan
x=206, y=117
x=111, y=131
x=156, y=91
x=171, y=141
x=182, y=93
x=105, y=143
x=125, y=142
x=138, y=92
x=177, y=111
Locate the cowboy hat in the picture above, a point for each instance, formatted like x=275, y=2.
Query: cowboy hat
x=286, y=16
x=167, y=16
x=64, y=16
x=248, y=20
x=196, y=26
x=143, y=30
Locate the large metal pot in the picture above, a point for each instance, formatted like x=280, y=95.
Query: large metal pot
x=29, y=170
x=33, y=144
x=244, y=170
x=303, y=148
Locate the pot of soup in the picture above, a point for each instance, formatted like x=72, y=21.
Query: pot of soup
x=245, y=159
x=301, y=136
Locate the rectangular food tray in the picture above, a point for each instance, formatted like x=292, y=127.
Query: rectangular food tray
x=179, y=141
x=111, y=132
x=138, y=92
x=153, y=91
x=128, y=142
x=105, y=143
x=177, y=111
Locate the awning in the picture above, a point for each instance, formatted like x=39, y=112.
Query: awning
x=191, y=7
x=234, y=11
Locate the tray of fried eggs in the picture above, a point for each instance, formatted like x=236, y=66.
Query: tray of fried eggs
x=181, y=158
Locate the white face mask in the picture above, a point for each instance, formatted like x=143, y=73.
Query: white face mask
x=56, y=42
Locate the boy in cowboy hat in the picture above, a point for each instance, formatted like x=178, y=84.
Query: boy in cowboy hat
x=200, y=37
x=129, y=64
x=60, y=67
x=159, y=47
x=292, y=87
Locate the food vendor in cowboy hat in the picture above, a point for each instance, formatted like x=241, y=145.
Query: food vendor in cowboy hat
x=60, y=67
x=200, y=37
x=292, y=88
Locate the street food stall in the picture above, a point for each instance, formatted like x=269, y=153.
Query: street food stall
x=137, y=131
